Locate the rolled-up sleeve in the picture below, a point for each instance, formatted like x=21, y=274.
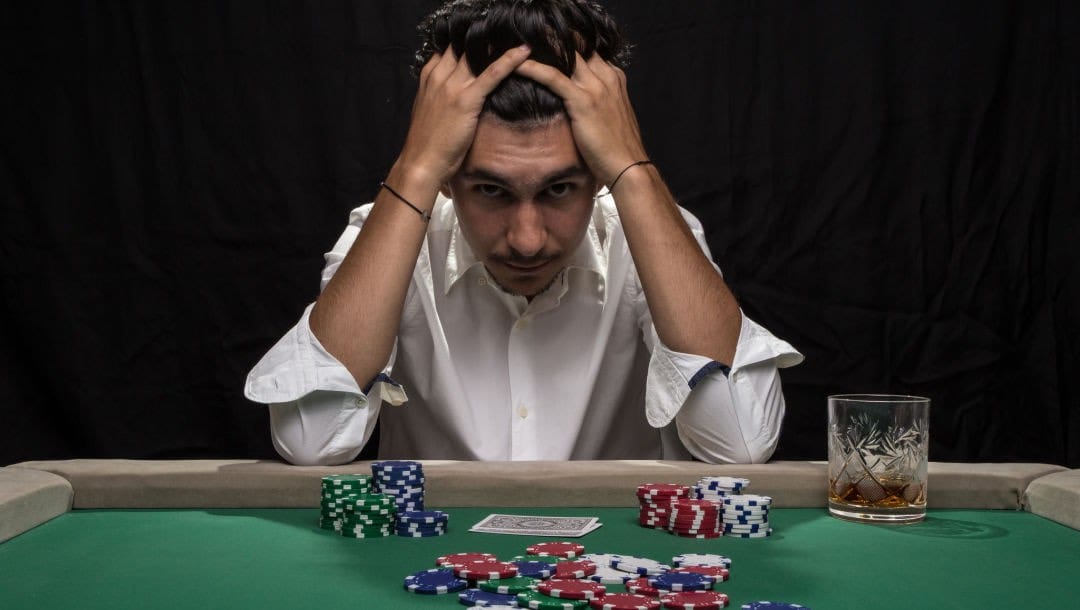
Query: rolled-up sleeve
x=319, y=415
x=722, y=414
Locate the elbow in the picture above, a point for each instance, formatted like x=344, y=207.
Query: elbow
x=304, y=443
x=733, y=449
x=305, y=456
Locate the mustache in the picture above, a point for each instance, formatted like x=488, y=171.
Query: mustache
x=519, y=260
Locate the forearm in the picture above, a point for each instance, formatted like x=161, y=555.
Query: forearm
x=692, y=308
x=380, y=263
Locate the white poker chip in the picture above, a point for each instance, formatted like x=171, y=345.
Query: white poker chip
x=607, y=575
x=747, y=500
x=601, y=559
x=641, y=566
x=723, y=482
x=702, y=559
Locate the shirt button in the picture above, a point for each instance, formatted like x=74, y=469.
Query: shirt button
x=358, y=401
x=482, y=281
x=523, y=412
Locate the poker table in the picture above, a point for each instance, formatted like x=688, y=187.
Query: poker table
x=241, y=534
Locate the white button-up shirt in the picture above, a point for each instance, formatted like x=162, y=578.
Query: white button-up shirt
x=479, y=374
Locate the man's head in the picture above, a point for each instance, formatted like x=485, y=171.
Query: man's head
x=523, y=194
x=482, y=30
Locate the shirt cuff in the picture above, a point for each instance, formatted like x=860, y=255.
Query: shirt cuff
x=674, y=375
x=296, y=366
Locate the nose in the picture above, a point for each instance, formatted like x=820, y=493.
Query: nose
x=526, y=233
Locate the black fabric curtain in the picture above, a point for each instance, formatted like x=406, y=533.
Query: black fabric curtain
x=891, y=187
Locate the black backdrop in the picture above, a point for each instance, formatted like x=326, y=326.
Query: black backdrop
x=892, y=187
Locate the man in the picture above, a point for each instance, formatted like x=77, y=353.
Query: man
x=524, y=286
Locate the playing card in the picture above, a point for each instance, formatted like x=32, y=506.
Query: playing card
x=537, y=525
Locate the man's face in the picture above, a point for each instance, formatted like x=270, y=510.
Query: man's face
x=523, y=197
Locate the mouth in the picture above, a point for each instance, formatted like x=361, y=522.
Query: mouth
x=526, y=267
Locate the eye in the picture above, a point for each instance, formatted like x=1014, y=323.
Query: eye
x=490, y=190
x=562, y=189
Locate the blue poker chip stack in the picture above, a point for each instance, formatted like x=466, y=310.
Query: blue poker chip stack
x=403, y=481
x=421, y=523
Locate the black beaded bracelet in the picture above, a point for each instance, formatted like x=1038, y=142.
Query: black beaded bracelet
x=425, y=215
x=625, y=169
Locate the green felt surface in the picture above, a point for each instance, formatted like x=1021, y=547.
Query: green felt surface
x=278, y=558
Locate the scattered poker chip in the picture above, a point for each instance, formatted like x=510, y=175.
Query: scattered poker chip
x=716, y=573
x=456, y=558
x=568, y=550
x=625, y=601
x=571, y=589
x=539, y=601
x=600, y=559
x=575, y=568
x=681, y=581
x=607, y=575
x=695, y=600
x=477, y=597
x=484, y=569
x=548, y=559
x=434, y=581
x=534, y=569
x=508, y=586
x=641, y=586
x=701, y=559
x=639, y=565
x=773, y=606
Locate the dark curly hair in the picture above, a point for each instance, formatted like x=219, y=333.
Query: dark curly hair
x=482, y=30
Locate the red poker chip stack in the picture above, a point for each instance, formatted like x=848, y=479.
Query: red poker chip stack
x=695, y=518
x=657, y=501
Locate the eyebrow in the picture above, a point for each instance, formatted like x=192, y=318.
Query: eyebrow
x=481, y=174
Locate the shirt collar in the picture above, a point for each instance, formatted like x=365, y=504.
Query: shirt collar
x=590, y=254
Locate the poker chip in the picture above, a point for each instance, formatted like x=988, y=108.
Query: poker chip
x=716, y=573
x=456, y=558
x=575, y=569
x=548, y=559
x=642, y=586
x=681, y=581
x=435, y=581
x=761, y=534
x=701, y=559
x=423, y=517
x=509, y=586
x=484, y=569
x=534, y=569
x=607, y=575
x=568, y=550
x=539, y=601
x=625, y=601
x=477, y=597
x=641, y=566
x=695, y=600
x=747, y=501
x=571, y=589
x=773, y=606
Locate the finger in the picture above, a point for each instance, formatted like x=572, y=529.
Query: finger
x=549, y=76
x=429, y=65
x=501, y=68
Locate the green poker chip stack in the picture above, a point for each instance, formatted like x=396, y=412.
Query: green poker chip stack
x=349, y=507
